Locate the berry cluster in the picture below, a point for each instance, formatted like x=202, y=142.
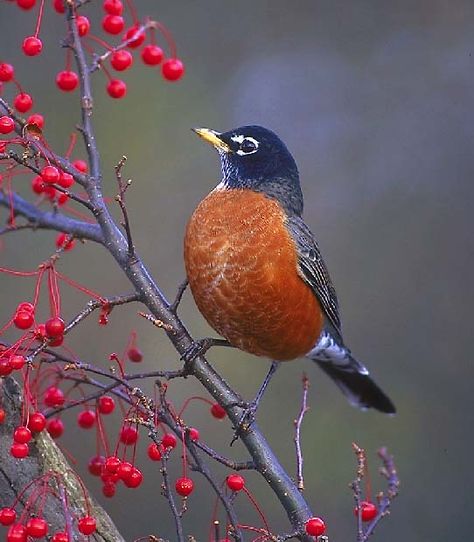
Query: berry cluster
x=118, y=20
x=31, y=525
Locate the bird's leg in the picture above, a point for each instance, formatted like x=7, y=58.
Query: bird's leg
x=201, y=346
x=248, y=416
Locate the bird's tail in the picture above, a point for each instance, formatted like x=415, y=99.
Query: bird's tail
x=349, y=374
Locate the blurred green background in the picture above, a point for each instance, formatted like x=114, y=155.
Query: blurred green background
x=374, y=99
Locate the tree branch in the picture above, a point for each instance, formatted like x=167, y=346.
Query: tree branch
x=51, y=220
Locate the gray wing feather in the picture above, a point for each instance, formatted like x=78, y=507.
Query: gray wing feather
x=313, y=270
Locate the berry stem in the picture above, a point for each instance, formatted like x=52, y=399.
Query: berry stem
x=39, y=20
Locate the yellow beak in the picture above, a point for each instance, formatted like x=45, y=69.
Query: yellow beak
x=212, y=137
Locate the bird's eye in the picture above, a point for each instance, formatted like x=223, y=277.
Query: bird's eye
x=248, y=146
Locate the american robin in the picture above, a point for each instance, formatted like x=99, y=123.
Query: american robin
x=255, y=269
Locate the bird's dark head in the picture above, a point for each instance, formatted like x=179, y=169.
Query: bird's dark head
x=255, y=158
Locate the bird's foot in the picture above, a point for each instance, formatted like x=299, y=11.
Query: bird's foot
x=200, y=347
x=246, y=419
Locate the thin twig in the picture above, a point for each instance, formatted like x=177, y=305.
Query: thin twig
x=167, y=493
x=179, y=295
x=156, y=322
x=108, y=302
x=389, y=472
x=234, y=465
x=120, y=199
x=100, y=59
x=297, y=438
x=356, y=488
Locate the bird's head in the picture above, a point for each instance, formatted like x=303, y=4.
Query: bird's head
x=255, y=158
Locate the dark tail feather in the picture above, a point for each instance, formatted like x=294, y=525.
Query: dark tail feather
x=359, y=388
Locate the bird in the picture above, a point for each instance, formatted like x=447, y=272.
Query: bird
x=256, y=271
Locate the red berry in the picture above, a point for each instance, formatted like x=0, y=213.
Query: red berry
x=154, y=452
x=25, y=306
x=26, y=4
x=19, y=450
x=134, y=479
x=128, y=435
x=50, y=174
x=7, y=516
x=121, y=60
x=113, y=7
x=87, y=525
x=23, y=320
x=37, y=185
x=152, y=54
x=56, y=341
x=172, y=69
x=217, y=411
x=55, y=428
x=138, y=40
x=315, y=527
x=169, y=440
x=60, y=536
x=124, y=470
x=193, y=434
x=2, y=415
x=17, y=533
x=7, y=125
x=86, y=419
x=368, y=510
x=67, y=80
x=37, y=119
x=5, y=367
x=184, y=486
x=108, y=477
x=80, y=165
x=59, y=6
x=116, y=88
x=55, y=327
x=83, y=25
x=135, y=354
x=96, y=465
x=37, y=527
x=22, y=435
x=113, y=24
x=112, y=463
x=7, y=72
x=32, y=46
x=17, y=362
x=65, y=241
x=106, y=404
x=37, y=422
x=108, y=490
x=23, y=102
x=54, y=397
x=235, y=482
x=66, y=180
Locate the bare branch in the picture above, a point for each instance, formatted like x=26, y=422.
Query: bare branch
x=297, y=438
x=51, y=220
x=120, y=198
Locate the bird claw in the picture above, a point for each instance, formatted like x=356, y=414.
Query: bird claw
x=246, y=419
x=197, y=348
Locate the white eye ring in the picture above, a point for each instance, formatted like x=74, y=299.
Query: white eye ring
x=241, y=139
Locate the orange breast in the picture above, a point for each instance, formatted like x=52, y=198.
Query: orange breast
x=241, y=264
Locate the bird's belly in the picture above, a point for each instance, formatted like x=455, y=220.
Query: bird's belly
x=241, y=264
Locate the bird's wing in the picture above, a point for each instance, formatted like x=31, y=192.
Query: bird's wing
x=313, y=270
